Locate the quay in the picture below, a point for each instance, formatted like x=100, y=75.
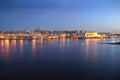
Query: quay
x=43, y=34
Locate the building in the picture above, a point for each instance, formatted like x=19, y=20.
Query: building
x=89, y=35
x=2, y=36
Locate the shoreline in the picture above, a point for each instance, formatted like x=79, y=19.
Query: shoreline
x=62, y=39
x=54, y=38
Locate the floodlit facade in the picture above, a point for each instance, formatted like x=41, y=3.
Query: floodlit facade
x=92, y=35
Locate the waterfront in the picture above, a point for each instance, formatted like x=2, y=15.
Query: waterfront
x=46, y=34
x=64, y=59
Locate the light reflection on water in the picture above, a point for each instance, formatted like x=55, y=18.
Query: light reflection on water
x=21, y=47
x=5, y=49
x=91, y=49
x=89, y=46
x=65, y=54
x=33, y=46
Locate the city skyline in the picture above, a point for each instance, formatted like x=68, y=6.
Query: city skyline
x=90, y=15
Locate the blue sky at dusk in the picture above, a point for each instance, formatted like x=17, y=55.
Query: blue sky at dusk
x=92, y=15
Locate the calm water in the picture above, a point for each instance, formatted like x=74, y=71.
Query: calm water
x=59, y=60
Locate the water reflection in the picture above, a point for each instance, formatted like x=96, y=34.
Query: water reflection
x=13, y=42
x=87, y=51
x=52, y=42
x=2, y=46
x=5, y=49
x=62, y=44
x=91, y=49
x=95, y=50
x=113, y=52
x=41, y=43
x=21, y=47
x=68, y=42
x=2, y=43
x=7, y=45
x=33, y=47
x=74, y=57
x=75, y=42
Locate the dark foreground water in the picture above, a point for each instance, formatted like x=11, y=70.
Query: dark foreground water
x=59, y=60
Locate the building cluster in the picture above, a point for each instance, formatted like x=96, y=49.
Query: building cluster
x=44, y=34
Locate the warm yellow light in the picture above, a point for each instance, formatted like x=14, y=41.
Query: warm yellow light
x=34, y=37
x=49, y=37
x=14, y=37
x=2, y=37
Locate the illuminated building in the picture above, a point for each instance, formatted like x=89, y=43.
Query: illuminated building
x=90, y=35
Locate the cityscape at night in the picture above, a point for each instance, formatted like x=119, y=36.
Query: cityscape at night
x=44, y=34
x=59, y=40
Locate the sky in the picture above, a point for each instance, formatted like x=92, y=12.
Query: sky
x=91, y=15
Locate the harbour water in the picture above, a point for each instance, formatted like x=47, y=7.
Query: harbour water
x=84, y=59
